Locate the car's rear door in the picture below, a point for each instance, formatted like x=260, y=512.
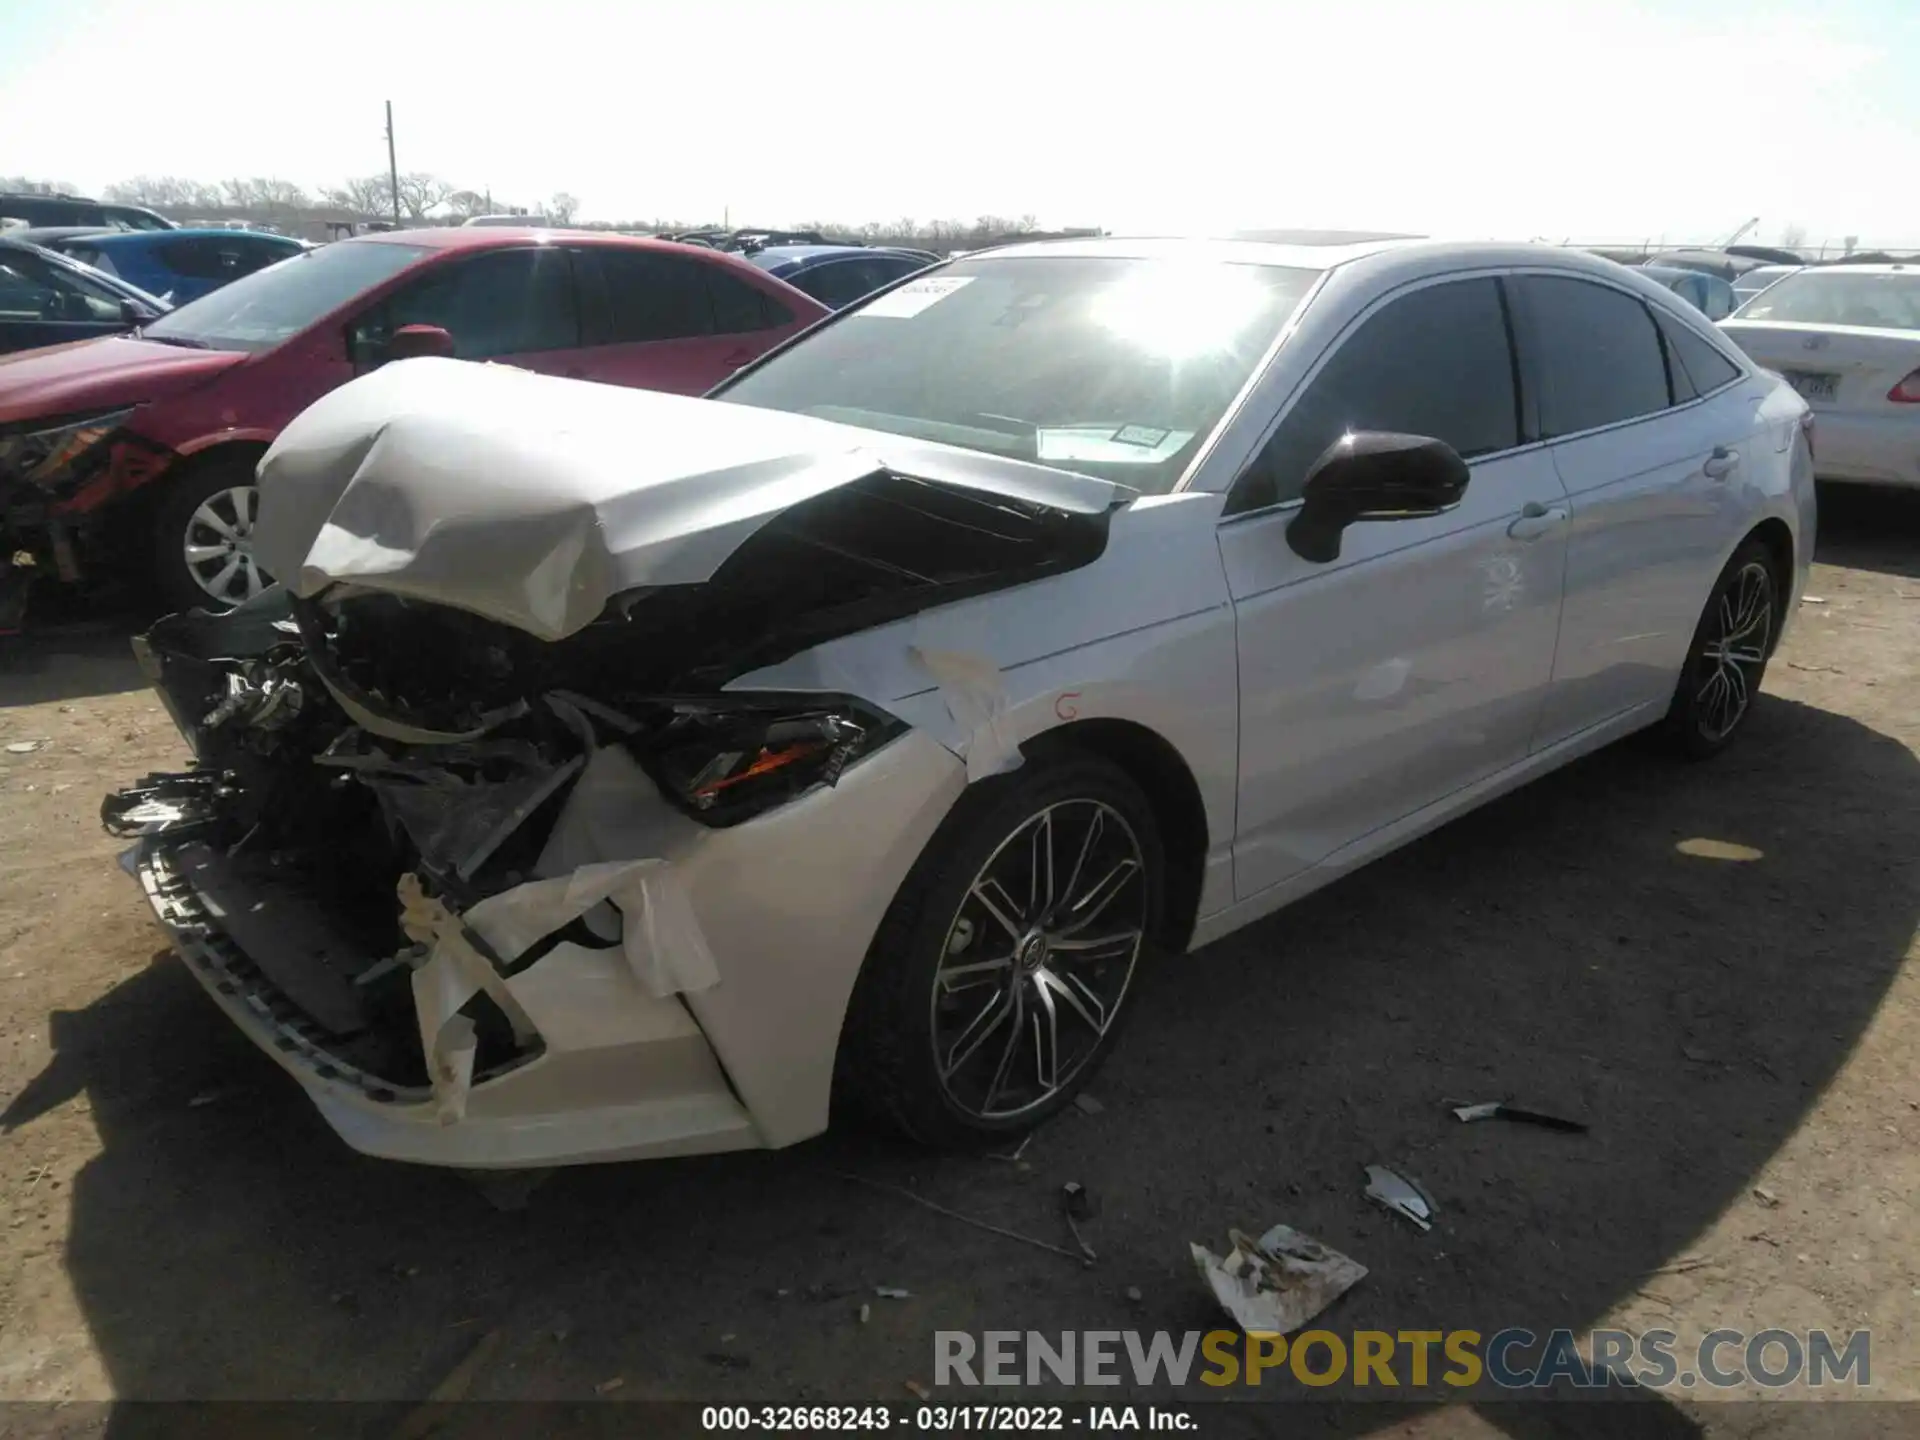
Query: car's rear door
x=1416, y=662
x=660, y=321
x=1650, y=423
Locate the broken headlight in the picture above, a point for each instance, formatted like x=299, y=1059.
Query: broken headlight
x=728, y=764
x=51, y=456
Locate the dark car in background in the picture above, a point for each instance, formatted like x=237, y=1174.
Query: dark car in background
x=838, y=275
x=39, y=209
x=178, y=265
x=137, y=453
x=49, y=299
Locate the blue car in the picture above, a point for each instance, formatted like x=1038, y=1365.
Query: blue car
x=838, y=275
x=1709, y=294
x=179, y=265
x=48, y=299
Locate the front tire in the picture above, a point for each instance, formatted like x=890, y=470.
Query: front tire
x=202, y=555
x=1727, y=658
x=996, y=984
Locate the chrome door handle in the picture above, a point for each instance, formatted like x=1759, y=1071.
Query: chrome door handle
x=1536, y=520
x=1721, y=464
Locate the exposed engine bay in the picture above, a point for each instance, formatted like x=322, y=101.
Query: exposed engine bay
x=370, y=768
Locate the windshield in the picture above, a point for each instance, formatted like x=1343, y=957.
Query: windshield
x=259, y=311
x=1840, y=297
x=1114, y=368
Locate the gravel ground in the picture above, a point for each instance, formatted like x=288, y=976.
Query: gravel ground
x=1742, y=1035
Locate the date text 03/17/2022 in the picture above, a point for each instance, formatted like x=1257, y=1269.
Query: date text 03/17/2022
x=946, y=1419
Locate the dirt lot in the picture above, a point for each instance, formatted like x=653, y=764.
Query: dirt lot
x=178, y=1223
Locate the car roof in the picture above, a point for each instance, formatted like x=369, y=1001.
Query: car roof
x=42, y=234
x=800, y=257
x=1400, y=255
x=1898, y=267
x=483, y=237
x=135, y=239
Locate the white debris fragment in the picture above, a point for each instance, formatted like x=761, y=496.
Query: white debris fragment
x=24, y=747
x=1276, y=1284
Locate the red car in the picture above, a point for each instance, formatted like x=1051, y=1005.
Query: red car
x=142, y=447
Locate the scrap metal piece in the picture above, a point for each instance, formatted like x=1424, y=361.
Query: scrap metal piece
x=1500, y=1110
x=1400, y=1194
x=1278, y=1283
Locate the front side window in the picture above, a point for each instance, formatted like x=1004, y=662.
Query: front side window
x=505, y=302
x=1117, y=368
x=271, y=306
x=1435, y=362
x=200, y=258
x=33, y=289
x=1600, y=360
x=1838, y=296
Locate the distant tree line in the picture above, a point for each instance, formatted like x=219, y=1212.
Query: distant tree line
x=428, y=199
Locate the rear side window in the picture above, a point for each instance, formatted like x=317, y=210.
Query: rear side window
x=647, y=297
x=1698, y=368
x=202, y=259
x=840, y=282
x=1436, y=362
x=1599, y=356
x=33, y=289
x=740, y=308
x=506, y=302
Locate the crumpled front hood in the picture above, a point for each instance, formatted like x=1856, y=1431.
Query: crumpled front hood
x=534, y=500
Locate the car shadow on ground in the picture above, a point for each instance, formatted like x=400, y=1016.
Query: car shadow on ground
x=1566, y=945
x=1870, y=527
x=69, y=661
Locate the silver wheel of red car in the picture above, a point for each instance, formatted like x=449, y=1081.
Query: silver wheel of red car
x=218, y=545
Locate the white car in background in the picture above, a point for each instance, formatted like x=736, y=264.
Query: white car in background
x=1847, y=337
x=1750, y=284
x=625, y=775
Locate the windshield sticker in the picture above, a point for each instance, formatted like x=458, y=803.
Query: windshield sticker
x=1103, y=445
x=910, y=299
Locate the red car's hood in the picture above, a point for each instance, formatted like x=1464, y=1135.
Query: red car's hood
x=105, y=374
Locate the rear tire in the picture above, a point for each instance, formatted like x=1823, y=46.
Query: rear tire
x=989, y=998
x=1727, y=657
x=202, y=542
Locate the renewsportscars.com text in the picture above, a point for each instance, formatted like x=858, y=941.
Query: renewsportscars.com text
x=1513, y=1359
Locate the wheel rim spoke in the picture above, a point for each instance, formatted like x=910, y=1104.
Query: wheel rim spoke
x=1734, y=659
x=1015, y=1024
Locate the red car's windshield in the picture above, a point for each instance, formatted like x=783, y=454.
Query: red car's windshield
x=261, y=310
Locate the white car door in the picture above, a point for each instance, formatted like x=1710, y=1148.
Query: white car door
x=1657, y=425
x=1416, y=662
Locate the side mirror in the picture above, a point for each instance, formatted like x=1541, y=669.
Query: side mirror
x=412, y=341
x=1373, y=475
x=134, y=313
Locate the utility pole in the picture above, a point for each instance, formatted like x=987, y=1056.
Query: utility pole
x=393, y=167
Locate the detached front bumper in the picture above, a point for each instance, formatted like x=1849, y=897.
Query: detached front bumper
x=656, y=1090
x=788, y=904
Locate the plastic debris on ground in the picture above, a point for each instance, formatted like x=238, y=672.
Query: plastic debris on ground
x=1279, y=1282
x=24, y=747
x=1468, y=1112
x=1400, y=1194
x=1087, y=1105
x=892, y=1292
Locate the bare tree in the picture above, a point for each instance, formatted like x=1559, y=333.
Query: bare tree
x=421, y=191
x=563, y=207
x=465, y=203
x=366, y=195
x=20, y=185
x=1793, y=237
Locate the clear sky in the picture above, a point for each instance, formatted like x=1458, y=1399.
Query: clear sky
x=1582, y=119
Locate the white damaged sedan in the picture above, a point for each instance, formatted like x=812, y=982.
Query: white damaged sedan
x=620, y=775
